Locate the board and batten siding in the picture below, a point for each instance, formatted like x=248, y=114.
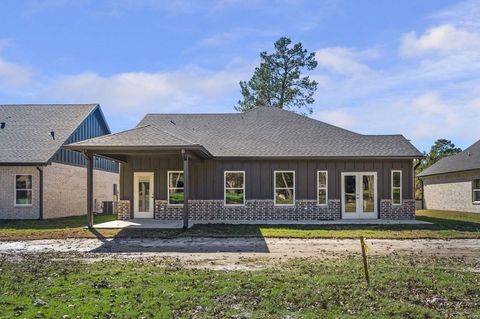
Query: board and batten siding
x=92, y=126
x=207, y=177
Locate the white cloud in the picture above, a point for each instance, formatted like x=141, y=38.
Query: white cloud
x=343, y=61
x=440, y=39
x=235, y=35
x=422, y=118
x=429, y=103
x=139, y=92
x=13, y=74
x=336, y=117
x=463, y=14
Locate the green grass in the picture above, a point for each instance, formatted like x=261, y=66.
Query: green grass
x=299, y=289
x=445, y=225
x=50, y=228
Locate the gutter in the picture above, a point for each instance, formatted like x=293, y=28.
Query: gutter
x=40, y=199
x=414, y=180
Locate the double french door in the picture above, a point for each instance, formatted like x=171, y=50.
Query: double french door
x=359, y=195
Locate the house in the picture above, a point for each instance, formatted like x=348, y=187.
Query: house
x=268, y=164
x=39, y=178
x=453, y=183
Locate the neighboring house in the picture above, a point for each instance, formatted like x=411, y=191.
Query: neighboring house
x=453, y=183
x=267, y=164
x=38, y=177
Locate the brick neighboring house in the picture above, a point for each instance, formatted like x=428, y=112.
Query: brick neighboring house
x=39, y=178
x=453, y=183
x=263, y=165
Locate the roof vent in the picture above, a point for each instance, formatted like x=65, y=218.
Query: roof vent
x=2, y=125
x=52, y=134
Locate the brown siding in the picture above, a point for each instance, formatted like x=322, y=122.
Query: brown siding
x=207, y=176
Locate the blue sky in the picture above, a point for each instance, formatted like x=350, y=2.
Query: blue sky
x=385, y=67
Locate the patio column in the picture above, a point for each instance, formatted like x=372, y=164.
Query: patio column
x=90, y=163
x=186, y=188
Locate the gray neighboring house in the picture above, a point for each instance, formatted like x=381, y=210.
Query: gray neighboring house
x=268, y=164
x=453, y=183
x=39, y=178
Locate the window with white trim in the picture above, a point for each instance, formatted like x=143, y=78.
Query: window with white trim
x=234, y=188
x=476, y=190
x=284, y=185
x=175, y=188
x=396, y=187
x=322, y=187
x=23, y=190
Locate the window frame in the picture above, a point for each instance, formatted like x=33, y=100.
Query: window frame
x=396, y=187
x=275, y=188
x=170, y=188
x=23, y=189
x=325, y=188
x=474, y=190
x=234, y=188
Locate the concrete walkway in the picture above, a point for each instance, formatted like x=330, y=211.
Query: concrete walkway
x=148, y=223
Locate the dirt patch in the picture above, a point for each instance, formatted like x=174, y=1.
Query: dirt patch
x=236, y=253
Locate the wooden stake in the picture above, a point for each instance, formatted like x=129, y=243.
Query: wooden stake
x=365, y=261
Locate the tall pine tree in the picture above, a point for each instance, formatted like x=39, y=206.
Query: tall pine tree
x=278, y=81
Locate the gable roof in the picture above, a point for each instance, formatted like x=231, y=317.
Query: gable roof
x=262, y=132
x=467, y=160
x=26, y=138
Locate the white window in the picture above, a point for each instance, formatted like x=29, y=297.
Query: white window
x=396, y=187
x=476, y=191
x=322, y=187
x=175, y=188
x=23, y=190
x=284, y=184
x=234, y=188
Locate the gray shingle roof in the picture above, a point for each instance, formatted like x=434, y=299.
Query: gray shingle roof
x=266, y=132
x=467, y=160
x=147, y=135
x=26, y=136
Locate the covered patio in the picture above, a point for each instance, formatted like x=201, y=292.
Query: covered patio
x=135, y=144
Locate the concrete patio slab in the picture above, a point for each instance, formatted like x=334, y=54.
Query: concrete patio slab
x=162, y=224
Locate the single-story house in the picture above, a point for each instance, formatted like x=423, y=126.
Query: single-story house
x=39, y=178
x=453, y=183
x=263, y=165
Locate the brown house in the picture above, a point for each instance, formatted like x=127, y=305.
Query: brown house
x=265, y=165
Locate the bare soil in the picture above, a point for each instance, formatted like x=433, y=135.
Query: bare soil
x=236, y=253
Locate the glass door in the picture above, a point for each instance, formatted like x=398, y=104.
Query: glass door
x=349, y=194
x=368, y=194
x=143, y=195
x=359, y=195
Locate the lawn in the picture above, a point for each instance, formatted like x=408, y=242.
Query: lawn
x=445, y=225
x=297, y=289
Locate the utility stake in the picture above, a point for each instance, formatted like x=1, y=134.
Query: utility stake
x=365, y=261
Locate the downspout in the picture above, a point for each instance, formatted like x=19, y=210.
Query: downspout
x=414, y=180
x=40, y=192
